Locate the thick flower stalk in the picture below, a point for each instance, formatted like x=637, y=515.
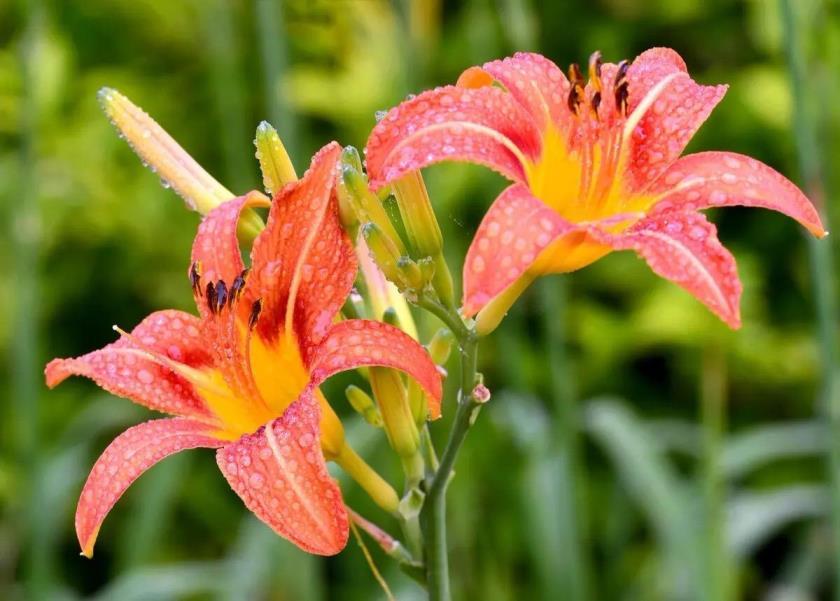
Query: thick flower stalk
x=243, y=377
x=595, y=166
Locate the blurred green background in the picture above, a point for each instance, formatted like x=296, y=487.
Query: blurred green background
x=634, y=447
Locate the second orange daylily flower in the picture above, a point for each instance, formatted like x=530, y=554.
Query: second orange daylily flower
x=595, y=167
x=243, y=377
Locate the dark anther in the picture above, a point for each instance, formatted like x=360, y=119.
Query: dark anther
x=621, y=88
x=577, y=86
x=596, y=102
x=256, y=309
x=221, y=296
x=237, y=287
x=211, y=297
x=195, y=277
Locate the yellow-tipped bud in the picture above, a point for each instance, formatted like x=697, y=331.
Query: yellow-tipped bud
x=397, y=417
x=275, y=164
x=363, y=405
x=399, y=269
x=165, y=157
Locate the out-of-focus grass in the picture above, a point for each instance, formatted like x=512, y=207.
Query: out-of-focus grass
x=557, y=495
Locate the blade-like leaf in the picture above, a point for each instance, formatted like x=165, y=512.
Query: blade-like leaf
x=755, y=517
x=763, y=444
x=660, y=494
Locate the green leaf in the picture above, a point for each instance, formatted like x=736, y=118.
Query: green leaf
x=755, y=517
x=764, y=444
x=661, y=496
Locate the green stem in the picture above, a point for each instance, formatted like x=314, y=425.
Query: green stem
x=806, y=124
x=434, y=509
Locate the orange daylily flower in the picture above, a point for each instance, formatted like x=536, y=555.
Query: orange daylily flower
x=595, y=167
x=243, y=377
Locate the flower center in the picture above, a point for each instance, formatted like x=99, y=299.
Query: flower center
x=579, y=170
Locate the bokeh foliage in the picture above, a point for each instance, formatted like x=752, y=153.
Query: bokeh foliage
x=634, y=448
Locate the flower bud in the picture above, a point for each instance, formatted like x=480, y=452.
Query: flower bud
x=363, y=405
x=356, y=200
x=423, y=231
x=440, y=346
x=275, y=164
x=390, y=394
x=399, y=269
x=381, y=294
x=419, y=219
x=165, y=157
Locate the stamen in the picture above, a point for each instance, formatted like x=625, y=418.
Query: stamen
x=195, y=277
x=256, y=309
x=621, y=88
x=237, y=287
x=221, y=296
x=211, y=297
x=576, y=90
x=595, y=80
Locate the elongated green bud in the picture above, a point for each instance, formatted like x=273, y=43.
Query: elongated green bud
x=398, y=420
x=399, y=269
x=275, y=164
x=419, y=219
x=357, y=199
x=423, y=231
x=363, y=405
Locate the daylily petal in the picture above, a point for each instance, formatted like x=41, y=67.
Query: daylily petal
x=303, y=255
x=515, y=230
x=360, y=342
x=280, y=474
x=126, y=458
x=716, y=179
x=669, y=115
x=216, y=258
x=536, y=83
x=126, y=369
x=484, y=125
x=683, y=247
x=215, y=250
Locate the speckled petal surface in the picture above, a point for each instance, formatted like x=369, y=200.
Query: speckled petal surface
x=536, y=83
x=124, y=368
x=126, y=458
x=360, y=342
x=684, y=248
x=484, y=125
x=516, y=228
x=670, y=121
x=305, y=253
x=216, y=247
x=717, y=179
x=280, y=474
